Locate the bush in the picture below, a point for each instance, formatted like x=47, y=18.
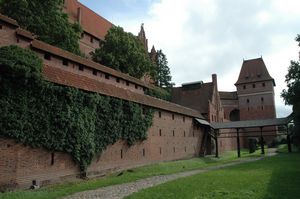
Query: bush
x=252, y=144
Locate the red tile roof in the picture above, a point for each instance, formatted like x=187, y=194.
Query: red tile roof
x=36, y=44
x=9, y=20
x=25, y=33
x=254, y=70
x=91, y=22
x=67, y=78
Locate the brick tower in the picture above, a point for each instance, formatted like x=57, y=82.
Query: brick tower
x=255, y=91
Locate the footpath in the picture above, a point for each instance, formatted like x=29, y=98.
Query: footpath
x=122, y=190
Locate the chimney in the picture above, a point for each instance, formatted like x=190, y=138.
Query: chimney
x=79, y=15
x=214, y=80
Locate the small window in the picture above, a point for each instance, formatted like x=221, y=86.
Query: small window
x=92, y=39
x=193, y=134
x=184, y=134
x=185, y=149
x=144, y=152
x=65, y=62
x=263, y=84
x=106, y=76
x=95, y=72
x=173, y=133
x=118, y=80
x=248, y=101
x=121, y=153
x=52, y=158
x=262, y=99
x=253, y=85
x=159, y=132
x=174, y=149
x=81, y=67
x=136, y=86
x=47, y=56
x=183, y=118
x=127, y=83
x=173, y=116
x=160, y=150
x=244, y=87
x=159, y=114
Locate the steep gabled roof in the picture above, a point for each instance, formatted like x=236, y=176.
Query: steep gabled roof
x=254, y=70
x=91, y=22
x=224, y=95
x=194, y=95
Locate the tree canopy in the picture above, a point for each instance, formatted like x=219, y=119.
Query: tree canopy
x=46, y=19
x=292, y=94
x=163, y=75
x=124, y=52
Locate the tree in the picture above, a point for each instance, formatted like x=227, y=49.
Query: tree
x=46, y=19
x=292, y=94
x=163, y=75
x=124, y=52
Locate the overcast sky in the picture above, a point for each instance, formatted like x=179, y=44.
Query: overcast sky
x=202, y=37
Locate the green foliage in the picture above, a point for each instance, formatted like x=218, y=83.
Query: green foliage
x=124, y=52
x=161, y=93
x=292, y=94
x=58, y=118
x=46, y=19
x=163, y=75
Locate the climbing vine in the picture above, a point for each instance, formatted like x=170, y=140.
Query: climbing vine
x=60, y=118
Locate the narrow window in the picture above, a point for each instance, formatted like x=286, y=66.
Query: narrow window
x=127, y=83
x=95, y=72
x=248, y=101
x=52, y=158
x=159, y=132
x=118, y=80
x=173, y=116
x=160, y=150
x=144, y=152
x=253, y=85
x=262, y=99
x=183, y=118
x=193, y=133
x=244, y=87
x=92, y=39
x=81, y=67
x=47, y=56
x=136, y=86
x=184, y=134
x=263, y=84
x=121, y=153
x=106, y=76
x=185, y=149
x=159, y=114
x=174, y=149
x=173, y=133
x=65, y=62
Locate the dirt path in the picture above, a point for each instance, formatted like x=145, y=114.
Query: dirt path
x=126, y=189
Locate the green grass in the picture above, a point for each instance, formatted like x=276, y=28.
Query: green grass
x=56, y=191
x=276, y=177
x=283, y=148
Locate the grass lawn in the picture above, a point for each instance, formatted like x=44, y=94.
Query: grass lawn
x=57, y=191
x=276, y=177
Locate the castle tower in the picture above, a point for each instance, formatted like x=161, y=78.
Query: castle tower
x=152, y=54
x=142, y=37
x=255, y=91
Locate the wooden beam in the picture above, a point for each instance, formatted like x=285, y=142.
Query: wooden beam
x=262, y=146
x=238, y=143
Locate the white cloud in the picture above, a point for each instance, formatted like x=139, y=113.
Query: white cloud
x=201, y=37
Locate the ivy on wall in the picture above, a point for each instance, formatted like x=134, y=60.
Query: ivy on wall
x=59, y=118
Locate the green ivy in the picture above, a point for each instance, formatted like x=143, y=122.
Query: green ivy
x=59, y=118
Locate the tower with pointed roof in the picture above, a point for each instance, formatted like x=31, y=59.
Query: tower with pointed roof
x=142, y=37
x=255, y=91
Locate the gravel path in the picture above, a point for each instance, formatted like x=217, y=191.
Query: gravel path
x=126, y=189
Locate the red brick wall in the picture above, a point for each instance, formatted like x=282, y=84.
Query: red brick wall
x=20, y=164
